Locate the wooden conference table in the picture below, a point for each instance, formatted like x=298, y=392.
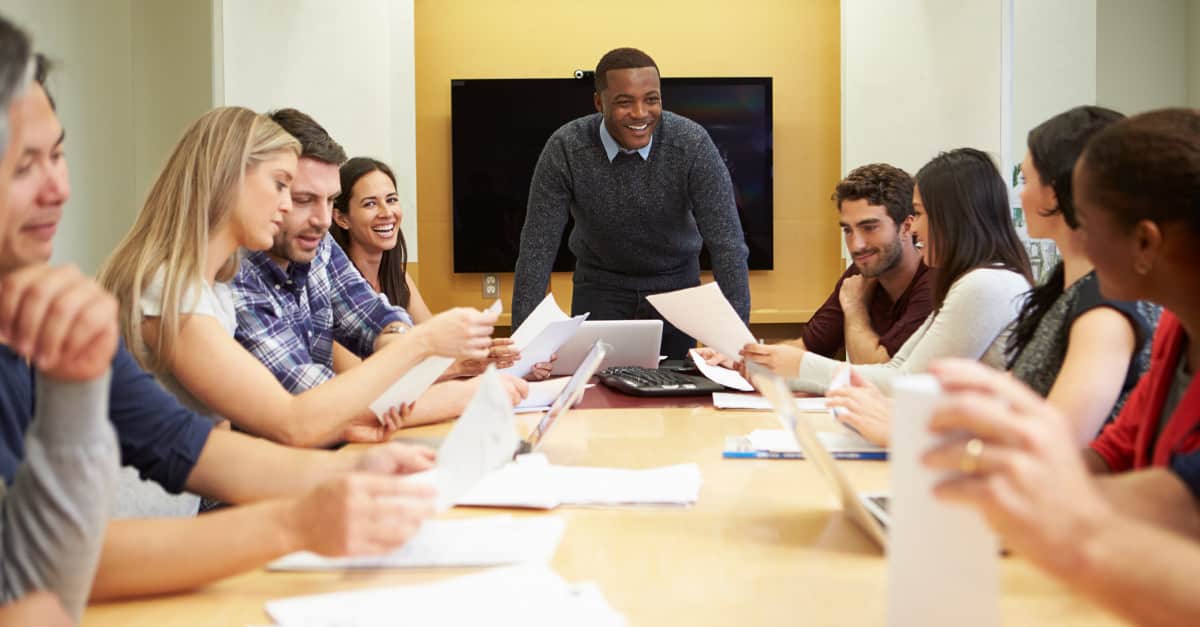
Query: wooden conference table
x=765, y=544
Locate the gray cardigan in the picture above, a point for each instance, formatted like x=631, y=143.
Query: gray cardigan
x=53, y=516
x=639, y=224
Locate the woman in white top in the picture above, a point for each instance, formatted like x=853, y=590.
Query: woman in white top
x=226, y=187
x=962, y=222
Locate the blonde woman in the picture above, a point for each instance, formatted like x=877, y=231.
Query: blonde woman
x=225, y=187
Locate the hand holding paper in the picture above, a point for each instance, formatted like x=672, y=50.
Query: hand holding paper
x=543, y=332
x=703, y=313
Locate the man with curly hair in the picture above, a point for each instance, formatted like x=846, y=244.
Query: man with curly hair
x=884, y=296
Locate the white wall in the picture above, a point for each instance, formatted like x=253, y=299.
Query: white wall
x=93, y=85
x=1141, y=56
x=349, y=65
x=1193, y=53
x=919, y=77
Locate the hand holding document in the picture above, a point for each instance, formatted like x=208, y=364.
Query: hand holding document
x=411, y=385
x=724, y=376
x=529, y=595
x=543, y=332
x=483, y=440
x=481, y=541
x=943, y=565
x=703, y=313
x=542, y=394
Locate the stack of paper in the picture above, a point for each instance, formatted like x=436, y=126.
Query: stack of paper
x=541, y=334
x=530, y=595
x=781, y=444
x=720, y=374
x=484, y=541
x=542, y=394
x=533, y=482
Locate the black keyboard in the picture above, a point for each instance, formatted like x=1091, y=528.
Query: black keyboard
x=640, y=381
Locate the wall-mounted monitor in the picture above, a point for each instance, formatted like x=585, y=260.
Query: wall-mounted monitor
x=499, y=127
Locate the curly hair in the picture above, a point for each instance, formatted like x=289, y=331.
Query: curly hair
x=620, y=59
x=878, y=184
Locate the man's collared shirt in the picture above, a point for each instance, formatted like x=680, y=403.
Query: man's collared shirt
x=611, y=147
x=290, y=319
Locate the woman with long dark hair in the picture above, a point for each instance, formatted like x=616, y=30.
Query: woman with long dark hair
x=960, y=204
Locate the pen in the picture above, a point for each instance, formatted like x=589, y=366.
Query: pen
x=861, y=455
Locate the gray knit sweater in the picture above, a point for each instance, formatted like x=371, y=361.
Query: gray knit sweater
x=639, y=224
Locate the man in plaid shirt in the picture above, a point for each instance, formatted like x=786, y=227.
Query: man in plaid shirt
x=295, y=300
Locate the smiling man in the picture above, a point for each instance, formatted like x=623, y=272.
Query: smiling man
x=885, y=295
x=646, y=188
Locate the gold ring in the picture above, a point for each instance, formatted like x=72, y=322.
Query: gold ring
x=969, y=463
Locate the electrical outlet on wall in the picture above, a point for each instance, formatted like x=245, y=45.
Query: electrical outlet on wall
x=491, y=286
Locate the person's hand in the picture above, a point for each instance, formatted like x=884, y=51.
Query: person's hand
x=396, y=458
x=61, y=320
x=861, y=406
x=369, y=428
x=462, y=332
x=358, y=514
x=713, y=358
x=778, y=358
x=856, y=291
x=501, y=352
x=1021, y=469
x=541, y=370
x=516, y=388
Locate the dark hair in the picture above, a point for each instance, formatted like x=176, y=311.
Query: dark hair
x=395, y=261
x=14, y=70
x=878, y=184
x=1054, y=147
x=1147, y=167
x=966, y=203
x=620, y=59
x=315, y=142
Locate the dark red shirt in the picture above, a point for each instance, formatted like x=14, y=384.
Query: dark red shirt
x=892, y=321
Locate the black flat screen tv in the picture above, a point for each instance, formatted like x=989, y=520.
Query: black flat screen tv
x=499, y=127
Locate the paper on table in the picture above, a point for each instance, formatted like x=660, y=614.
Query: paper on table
x=836, y=442
x=482, y=440
x=542, y=394
x=704, y=313
x=724, y=376
x=942, y=559
x=726, y=400
x=528, y=595
x=411, y=385
x=544, y=344
x=533, y=482
x=482, y=541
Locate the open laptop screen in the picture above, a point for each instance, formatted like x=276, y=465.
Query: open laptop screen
x=568, y=397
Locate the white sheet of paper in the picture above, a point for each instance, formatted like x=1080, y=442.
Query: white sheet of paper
x=544, y=344
x=530, y=595
x=543, y=393
x=943, y=561
x=496, y=307
x=534, y=483
x=483, y=440
x=411, y=385
x=703, y=313
x=724, y=376
x=479, y=541
x=728, y=400
x=784, y=441
x=546, y=312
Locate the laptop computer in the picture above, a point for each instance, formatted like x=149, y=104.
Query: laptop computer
x=868, y=510
x=570, y=395
x=631, y=343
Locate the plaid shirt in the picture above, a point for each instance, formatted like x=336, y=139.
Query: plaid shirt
x=289, y=319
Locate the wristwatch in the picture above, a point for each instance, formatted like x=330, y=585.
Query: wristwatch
x=395, y=327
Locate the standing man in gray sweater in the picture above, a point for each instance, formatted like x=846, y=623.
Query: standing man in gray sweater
x=52, y=516
x=646, y=188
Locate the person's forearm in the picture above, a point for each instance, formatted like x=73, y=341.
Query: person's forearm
x=149, y=556
x=1156, y=496
x=862, y=343
x=442, y=401
x=232, y=467
x=1139, y=571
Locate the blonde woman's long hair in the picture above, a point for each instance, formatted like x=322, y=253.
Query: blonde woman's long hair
x=192, y=197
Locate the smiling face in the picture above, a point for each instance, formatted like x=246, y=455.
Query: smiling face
x=38, y=187
x=632, y=105
x=1037, y=198
x=1113, y=248
x=920, y=228
x=313, y=191
x=373, y=214
x=873, y=239
x=264, y=200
